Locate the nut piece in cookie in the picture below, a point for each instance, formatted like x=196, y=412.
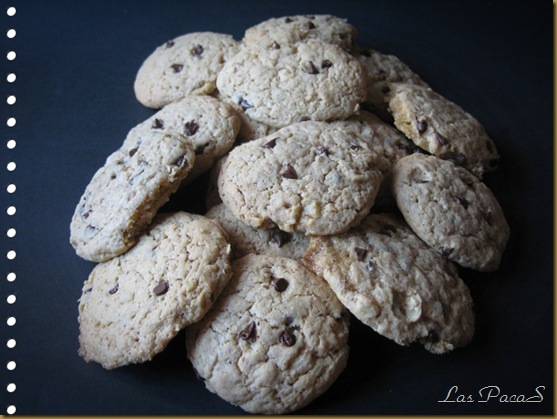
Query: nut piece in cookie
x=276, y=339
x=125, y=194
x=185, y=65
x=442, y=128
x=133, y=305
x=451, y=210
x=287, y=30
x=395, y=284
x=309, y=177
x=309, y=80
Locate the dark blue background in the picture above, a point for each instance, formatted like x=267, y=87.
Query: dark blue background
x=75, y=66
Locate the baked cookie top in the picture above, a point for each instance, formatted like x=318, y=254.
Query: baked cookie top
x=309, y=177
x=442, y=128
x=310, y=80
x=394, y=283
x=275, y=339
x=287, y=30
x=185, y=65
x=245, y=239
x=382, y=70
x=133, y=305
x=125, y=194
x=209, y=124
x=451, y=210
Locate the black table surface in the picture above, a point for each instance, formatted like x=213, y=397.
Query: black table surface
x=75, y=66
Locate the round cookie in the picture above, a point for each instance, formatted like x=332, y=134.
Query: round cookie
x=395, y=284
x=125, y=194
x=382, y=70
x=245, y=239
x=210, y=125
x=442, y=128
x=185, y=65
x=289, y=30
x=274, y=341
x=309, y=177
x=309, y=80
x=133, y=305
x=451, y=210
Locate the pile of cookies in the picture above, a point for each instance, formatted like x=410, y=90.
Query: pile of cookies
x=339, y=184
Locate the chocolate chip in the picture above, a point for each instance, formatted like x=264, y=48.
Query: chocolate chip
x=270, y=144
x=190, y=128
x=132, y=152
x=197, y=51
x=245, y=104
x=287, y=338
x=275, y=45
x=288, y=172
x=310, y=68
x=180, y=161
x=249, y=333
x=355, y=147
x=280, y=284
x=462, y=201
x=280, y=237
x=177, y=67
x=88, y=290
x=326, y=64
x=288, y=20
x=440, y=139
x=310, y=25
x=113, y=290
x=200, y=149
x=157, y=124
x=169, y=44
x=370, y=266
x=458, y=158
x=446, y=251
x=161, y=289
x=360, y=253
x=421, y=126
x=322, y=151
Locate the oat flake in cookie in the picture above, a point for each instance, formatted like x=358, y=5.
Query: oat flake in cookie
x=451, y=210
x=133, y=305
x=309, y=177
x=185, y=65
x=394, y=283
x=310, y=80
x=125, y=194
x=276, y=339
x=442, y=128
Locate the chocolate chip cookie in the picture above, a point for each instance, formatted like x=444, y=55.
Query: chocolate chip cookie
x=394, y=283
x=133, y=305
x=309, y=80
x=309, y=177
x=274, y=341
x=451, y=210
x=182, y=66
x=125, y=194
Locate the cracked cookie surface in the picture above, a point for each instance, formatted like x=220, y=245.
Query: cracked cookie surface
x=309, y=177
x=394, y=283
x=125, y=194
x=185, y=65
x=451, y=210
x=133, y=305
x=309, y=80
x=274, y=341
